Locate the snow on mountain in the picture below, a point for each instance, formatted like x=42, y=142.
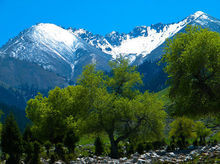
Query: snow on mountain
x=46, y=55
x=47, y=38
x=53, y=48
x=206, y=21
x=199, y=18
x=142, y=40
x=64, y=51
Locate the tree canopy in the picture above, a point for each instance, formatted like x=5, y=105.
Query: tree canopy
x=119, y=109
x=54, y=115
x=99, y=103
x=193, y=64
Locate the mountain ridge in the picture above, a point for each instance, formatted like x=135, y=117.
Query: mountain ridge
x=47, y=50
x=147, y=37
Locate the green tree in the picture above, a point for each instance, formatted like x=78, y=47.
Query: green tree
x=119, y=109
x=52, y=116
x=182, y=129
x=193, y=64
x=28, y=135
x=202, y=132
x=99, y=103
x=125, y=80
x=11, y=140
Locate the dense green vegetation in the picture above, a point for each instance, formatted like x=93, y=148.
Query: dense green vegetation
x=193, y=65
x=99, y=103
x=107, y=114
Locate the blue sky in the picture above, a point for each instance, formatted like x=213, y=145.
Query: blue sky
x=97, y=16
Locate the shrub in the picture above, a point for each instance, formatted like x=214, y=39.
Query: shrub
x=98, y=146
x=158, y=144
x=59, y=151
x=181, y=131
x=195, y=143
x=70, y=140
x=53, y=158
x=129, y=148
x=149, y=146
x=140, y=148
x=48, y=145
x=202, y=132
x=215, y=138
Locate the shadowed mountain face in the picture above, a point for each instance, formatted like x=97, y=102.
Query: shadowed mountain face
x=42, y=57
x=46, y=55
x=23, y=80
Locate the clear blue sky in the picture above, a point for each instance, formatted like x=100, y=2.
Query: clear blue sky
x=97, y=16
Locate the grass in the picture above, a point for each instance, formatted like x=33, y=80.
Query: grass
x=90, y=139
x=164, y=96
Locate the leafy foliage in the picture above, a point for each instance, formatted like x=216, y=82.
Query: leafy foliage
x=182, y=129
x=53, y=116
x=119, y=109
x=202, y=132
x=99, y=103
x=193, y=64
x=125, y=79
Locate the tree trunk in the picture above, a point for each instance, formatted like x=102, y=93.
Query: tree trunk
x=114, y=147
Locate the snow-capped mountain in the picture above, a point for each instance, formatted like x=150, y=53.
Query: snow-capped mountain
x=199, y=18
x=142, y=40
x=42, y=57
x=55, y=49
x=46, y=55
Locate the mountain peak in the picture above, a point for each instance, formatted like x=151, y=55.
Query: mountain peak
x=48, y=31
x=197, y=14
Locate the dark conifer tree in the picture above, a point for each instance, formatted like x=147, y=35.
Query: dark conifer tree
x=36, y=154
x=28, y=144
x=98, y=146
x=11, y=142
x=28, y=135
